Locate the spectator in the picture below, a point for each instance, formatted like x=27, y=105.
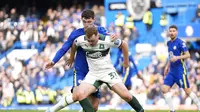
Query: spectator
x=148, y=19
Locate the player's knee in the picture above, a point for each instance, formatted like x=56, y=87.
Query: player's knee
x=80, y=95
x=164, y=89
x=187, y=92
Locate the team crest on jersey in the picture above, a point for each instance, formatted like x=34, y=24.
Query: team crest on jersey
x=174, y=47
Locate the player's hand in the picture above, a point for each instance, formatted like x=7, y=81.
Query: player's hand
x=69, y=62
x=113, y=37
x=49, y=65
x=174, y=58
x=125, y=65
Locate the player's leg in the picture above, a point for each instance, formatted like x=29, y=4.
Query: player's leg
x=123, y=92
x=81, y=94
x=87, y=87
x=115, y=83
x=183, y=82
x=168, y=83
x=127, y=81
x=94, y=98
x=67, y=100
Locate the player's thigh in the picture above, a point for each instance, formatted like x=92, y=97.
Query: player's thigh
x=168, y=82
x=182, y=81
x=112, y=79
x=84, y=90
x=122, y=91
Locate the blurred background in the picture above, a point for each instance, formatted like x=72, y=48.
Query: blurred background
x=31, y=31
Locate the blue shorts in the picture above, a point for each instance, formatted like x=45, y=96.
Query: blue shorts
x=179, y=78
x=78, y=77
x=127, y=78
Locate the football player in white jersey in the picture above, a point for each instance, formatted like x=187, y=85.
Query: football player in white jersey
x=101, y=70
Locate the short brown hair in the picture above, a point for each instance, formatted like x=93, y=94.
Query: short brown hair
x=91, y=30
x=173, y=26
x=87, y=14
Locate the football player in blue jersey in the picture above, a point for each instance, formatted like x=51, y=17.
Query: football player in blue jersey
x=81, y=66
x=126, y=73
x=176, y=71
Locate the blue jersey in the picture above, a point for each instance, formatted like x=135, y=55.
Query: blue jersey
x=120, y=60
x=177, y=48
x=126, y=74
x=177, y=73
x=80, y=60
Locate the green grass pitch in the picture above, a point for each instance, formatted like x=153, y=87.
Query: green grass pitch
x=98, y=111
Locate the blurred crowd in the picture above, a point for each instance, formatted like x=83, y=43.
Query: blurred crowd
x=26, y=82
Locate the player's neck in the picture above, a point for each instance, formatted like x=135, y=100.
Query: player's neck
x=173, y=39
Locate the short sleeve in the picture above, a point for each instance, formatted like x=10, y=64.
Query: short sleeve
x=183, y=46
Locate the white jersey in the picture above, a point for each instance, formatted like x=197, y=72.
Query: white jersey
x=98, y=57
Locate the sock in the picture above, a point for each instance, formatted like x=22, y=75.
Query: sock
x=66, y=100
x=168, y=99
x=86, y=105
x=195, y=99
x=136, y=105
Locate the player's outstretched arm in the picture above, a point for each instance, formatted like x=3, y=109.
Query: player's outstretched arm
x=72, y=55
x=124, y=47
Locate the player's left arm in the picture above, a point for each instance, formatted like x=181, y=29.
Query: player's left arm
x=183, y=48
x=185, y=55
x=185, y=51
x=124, y=47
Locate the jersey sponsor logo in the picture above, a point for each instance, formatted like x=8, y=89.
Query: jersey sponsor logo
x=97, y=54
x=94, y=55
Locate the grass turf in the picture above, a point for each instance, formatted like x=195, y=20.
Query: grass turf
x=98, y=111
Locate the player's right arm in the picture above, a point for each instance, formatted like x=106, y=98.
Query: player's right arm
x=166, y=70
x=72, y=55
x=124, y=47
x=62, y=50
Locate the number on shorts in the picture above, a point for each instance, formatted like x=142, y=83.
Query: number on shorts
x=113, y=75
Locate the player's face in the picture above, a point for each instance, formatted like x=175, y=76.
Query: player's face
x=87, y=22
x=93, y=40
x=172, y=33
